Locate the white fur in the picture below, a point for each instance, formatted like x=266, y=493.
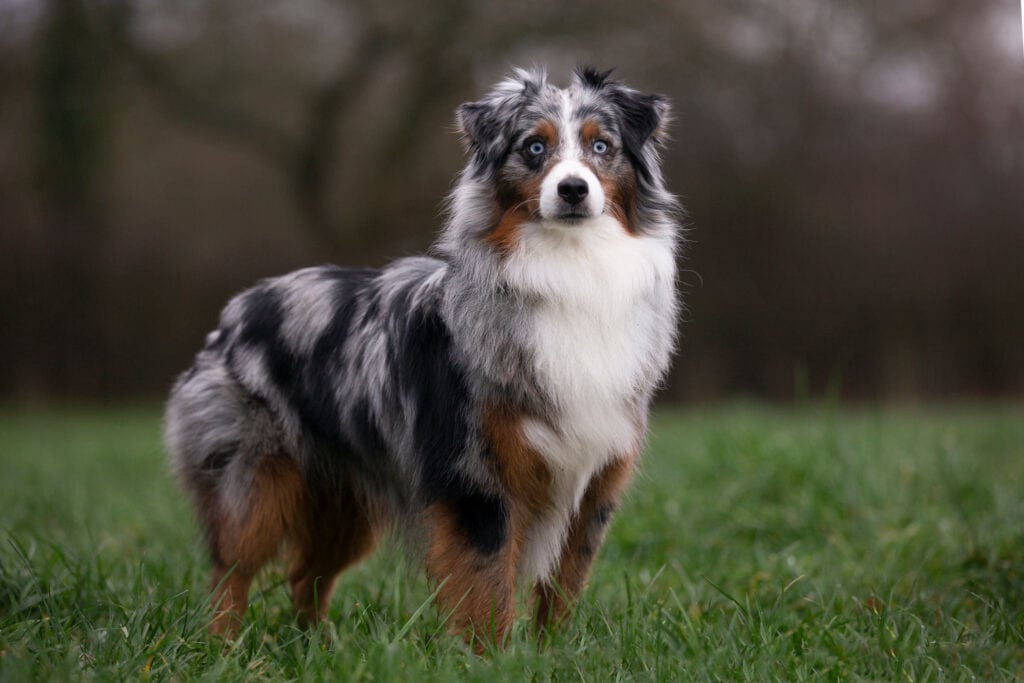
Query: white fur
x=570, y=136
x=594, y=345
x=551, y=205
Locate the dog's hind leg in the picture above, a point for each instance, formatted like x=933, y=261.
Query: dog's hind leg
x=329, y=538
x=226, y=447
x=246, y=529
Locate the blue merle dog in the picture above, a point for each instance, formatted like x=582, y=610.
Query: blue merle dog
x=487, y=404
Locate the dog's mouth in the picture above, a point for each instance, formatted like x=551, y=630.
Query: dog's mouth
x=573, y=216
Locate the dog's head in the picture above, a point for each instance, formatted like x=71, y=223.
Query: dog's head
x=562, y=156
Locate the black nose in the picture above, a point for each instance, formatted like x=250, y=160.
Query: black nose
x=573, y=190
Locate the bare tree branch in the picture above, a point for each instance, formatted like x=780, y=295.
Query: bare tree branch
x=316, y=153
x=274, y=145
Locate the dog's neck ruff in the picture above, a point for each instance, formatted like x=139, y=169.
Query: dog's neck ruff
x=597, y=345
x=596, y=291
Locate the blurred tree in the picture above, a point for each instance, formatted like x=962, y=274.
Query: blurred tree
x=72, y=130
x=428, y=51
x=852, y=169
x=72, y=91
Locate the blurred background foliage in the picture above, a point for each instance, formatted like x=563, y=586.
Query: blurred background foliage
x=853, y=172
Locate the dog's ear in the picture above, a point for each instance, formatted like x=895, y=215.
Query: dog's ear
x=483, y=122
x=642, y=118
x=488, y=125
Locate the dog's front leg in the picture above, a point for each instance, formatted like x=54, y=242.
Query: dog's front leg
x=554, y=598
x=472, y=553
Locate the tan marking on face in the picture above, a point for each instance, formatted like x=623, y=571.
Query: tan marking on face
x=620, y=197
x=590, y=131
x=522, y=205
x=619, y=186
x=548, y=132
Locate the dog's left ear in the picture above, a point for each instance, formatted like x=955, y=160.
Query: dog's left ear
x=642, y=118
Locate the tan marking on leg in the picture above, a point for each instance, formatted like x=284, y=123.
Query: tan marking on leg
x=245, y=540
x=620, y=191
x=329, y=541
x=477, y=590
x=522, y=469
x=230, y=595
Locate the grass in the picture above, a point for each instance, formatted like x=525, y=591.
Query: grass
x=758, y=543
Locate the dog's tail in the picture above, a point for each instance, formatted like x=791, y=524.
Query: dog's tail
x=217, y=435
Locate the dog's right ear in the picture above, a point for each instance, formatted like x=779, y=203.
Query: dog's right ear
x=488, y=125
x=480, y=123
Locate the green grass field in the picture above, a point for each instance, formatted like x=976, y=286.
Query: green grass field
x=758, y=543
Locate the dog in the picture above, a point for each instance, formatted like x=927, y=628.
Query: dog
x=486, y=405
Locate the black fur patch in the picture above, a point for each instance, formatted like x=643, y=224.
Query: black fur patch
x=219, y=459
x=262, y=317
x=593, y=77
x=363, y=428
x=425, y=371
x=323, y=370
x=489, y=129
x=638, y=121
x=483, y=519
x=307, y=381
x=604, y=513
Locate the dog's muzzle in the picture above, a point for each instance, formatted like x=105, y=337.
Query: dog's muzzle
x=570, y=192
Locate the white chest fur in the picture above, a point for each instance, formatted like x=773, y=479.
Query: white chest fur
x=597, y=337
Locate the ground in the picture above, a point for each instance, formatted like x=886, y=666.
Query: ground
x=758, y=543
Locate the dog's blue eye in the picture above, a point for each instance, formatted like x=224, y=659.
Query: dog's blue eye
x=600, y=147
x=536, y=148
